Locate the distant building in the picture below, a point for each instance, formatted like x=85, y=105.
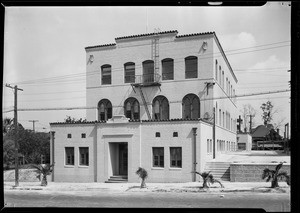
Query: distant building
x=244, y=141
x=150, y=102
x=265, y=136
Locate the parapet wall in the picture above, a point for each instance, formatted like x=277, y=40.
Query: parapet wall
x=252, y=172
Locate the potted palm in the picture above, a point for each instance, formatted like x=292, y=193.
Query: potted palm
x=208, y=179
x=275, y=176
x=43, y=170
x=143, y=174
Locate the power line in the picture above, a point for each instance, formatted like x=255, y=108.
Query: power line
x=59, y=79
x=214, y=98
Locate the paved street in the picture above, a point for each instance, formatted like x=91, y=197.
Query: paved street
x=270, y=202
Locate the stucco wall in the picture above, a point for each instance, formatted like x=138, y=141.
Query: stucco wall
x=76, y=172
x=140, y=137
x=240, y=172
x=137, y=51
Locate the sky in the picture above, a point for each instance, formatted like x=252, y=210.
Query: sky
x=44, y=52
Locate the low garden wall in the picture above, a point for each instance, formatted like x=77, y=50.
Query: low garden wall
x=252, y=172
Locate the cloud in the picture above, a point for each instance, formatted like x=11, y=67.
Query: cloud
x=237, y=41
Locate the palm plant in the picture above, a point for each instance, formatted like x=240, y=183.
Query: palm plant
x=208, y=179
x=143, y=174
x=43, y=170
x=275, y=176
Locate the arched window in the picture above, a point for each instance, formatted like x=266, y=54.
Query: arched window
x=148, y=71
x=191, y=67
x=167, y=69
x=129, y=75
x=104, y=110
x=191, y=106
x=160, y=107
x=132, y=109
x=106, y=74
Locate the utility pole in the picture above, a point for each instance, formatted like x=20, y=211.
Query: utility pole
x=16, y=132
x=250, y=128
x=240, y=121
x=33, y=121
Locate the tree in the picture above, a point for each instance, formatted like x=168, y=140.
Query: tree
x=8, y=152
x=247, y=111
x=208, y=179
x=32, y=145
x=268, y=113
x=143, y=174
x=69, y=119
x=43, y=170
x=274, y=175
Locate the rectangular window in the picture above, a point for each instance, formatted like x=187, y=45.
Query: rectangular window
x=106, y=75
x=191, y=67
x=69, y=153
x=84, y=156
x=176, y=157
x=129, y=72
x=208, y=146
x=69, y=135
x=83, y=135
x=168, y=69
x=175, y=134
x=158, y=156
x=157, y=134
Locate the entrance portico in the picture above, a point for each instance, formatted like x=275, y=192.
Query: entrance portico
x=118, y=159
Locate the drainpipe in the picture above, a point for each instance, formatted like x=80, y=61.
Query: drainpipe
x=214, y=134
x=195, y=151
x=52, y=152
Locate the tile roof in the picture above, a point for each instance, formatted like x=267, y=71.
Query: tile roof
x=150, y=34
x=147, y=34
x=132, y=121
x=194, y=34
x=104, y=45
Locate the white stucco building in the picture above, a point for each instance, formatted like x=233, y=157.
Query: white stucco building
x=150, y=102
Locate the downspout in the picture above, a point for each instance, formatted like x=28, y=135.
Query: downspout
x=95, y=152
x=52, y=153
x=214, y=134
x=141, y=143
x=194, y=153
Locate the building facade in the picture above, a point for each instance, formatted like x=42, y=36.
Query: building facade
x=162, y=101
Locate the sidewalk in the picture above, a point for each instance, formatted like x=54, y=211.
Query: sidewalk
x=260, y=187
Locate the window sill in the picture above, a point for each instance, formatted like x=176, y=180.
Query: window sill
x=157, y=168
x=174, y=168
x=83, y=166
x=69, y=166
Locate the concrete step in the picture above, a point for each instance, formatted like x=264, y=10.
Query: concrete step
x=119, y=177
x=115, y=181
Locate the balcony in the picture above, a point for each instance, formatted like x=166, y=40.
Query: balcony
x=145, y=80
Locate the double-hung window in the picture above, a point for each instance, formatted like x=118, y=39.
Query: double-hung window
x=105, y=74
x=158, y=156
x=69, y=153
x=84, y=156
x=176, y=157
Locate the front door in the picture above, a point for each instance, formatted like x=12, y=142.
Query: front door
x=123, y=159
